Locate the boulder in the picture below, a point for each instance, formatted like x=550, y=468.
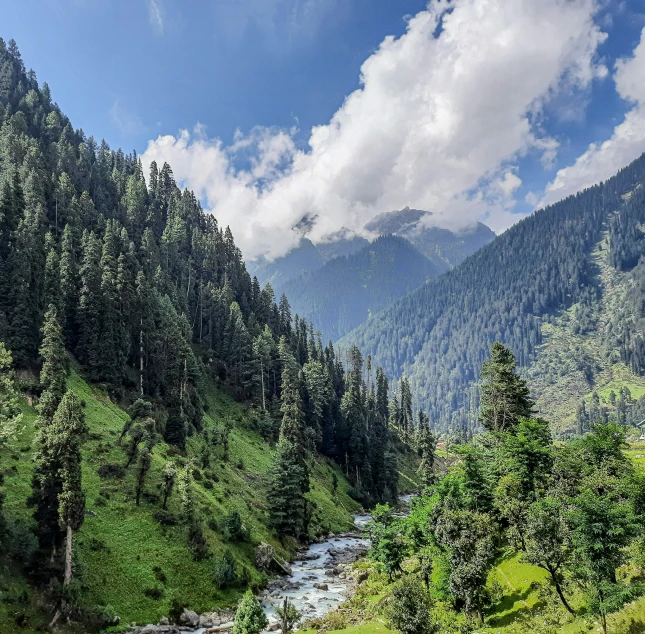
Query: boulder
x=321, y=586
x=188, y=617
x=164, y=621
x=205, y=620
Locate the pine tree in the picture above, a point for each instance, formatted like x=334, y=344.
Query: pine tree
x=168, y=477
x=505, y=398
x=427, y=446
x=53, y=374
x=69, y=284
x=289, y=474
x=10, y=415
x=90, y=305
x=64, y=438
x=250, y=617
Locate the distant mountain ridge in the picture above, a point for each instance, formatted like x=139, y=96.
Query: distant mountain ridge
x=441, y=246
x=340, y=282
x=348, y=289
x=565, y=257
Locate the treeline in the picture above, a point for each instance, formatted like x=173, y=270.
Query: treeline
x=575, y=510
x=150, y=293
x=439, y=334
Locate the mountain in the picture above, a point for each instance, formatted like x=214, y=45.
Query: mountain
x=576, y=259
x=348, y=289
x=442, y=247
x=155, y=402
x=339, y=293
x=305, y=258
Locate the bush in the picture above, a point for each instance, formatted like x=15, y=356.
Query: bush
x=225, y=571
x=409, y=607
x=197, y=543
x=110, y=470
x=154, y=593
x=160, y=575
x=165, y=518
x=233, y=529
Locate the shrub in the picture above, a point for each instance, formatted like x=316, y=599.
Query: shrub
x=154, y=593
x=165, y=518
x=159, y=574
x=197, y=543
x=225, y=571
x=111, y=470
x=409, y=607
x=233, y=529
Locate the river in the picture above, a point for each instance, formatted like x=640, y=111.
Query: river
x=316, y=585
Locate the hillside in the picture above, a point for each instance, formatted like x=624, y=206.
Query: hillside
x=509, y=291
x=126, y=551
x=347, y=290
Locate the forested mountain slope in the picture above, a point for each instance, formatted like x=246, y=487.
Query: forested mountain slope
x=347, y=290
x=138, y=349
x=438, y=335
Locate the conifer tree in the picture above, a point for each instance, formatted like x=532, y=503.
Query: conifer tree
x=289, y=474
x=505, y=397
x=168, y=477
x=64, y=438
x=10, y=415
x=250, y=617
x=427, y=445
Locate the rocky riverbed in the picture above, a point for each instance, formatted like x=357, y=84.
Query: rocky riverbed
x=321, y=578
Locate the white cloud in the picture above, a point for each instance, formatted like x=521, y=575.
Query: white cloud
x=438, y=123
x=155, y=15
x=626, y=143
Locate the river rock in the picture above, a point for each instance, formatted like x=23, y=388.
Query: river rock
x=164, y=621
x=361, y=577
x=205, y=620
x=321, y=586
x=188, y=617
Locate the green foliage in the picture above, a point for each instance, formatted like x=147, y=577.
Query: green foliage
x=233, y=529
x=504, y=395
x=409, y=608
x=224, y=572
x=250, y=617
x=10, y=414
x=288, y=614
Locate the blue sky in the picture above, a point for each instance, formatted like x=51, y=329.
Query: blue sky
x=127, y=70
x=340, y=109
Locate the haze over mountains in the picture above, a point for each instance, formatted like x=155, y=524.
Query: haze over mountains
x=562, y=288
x=339, y=283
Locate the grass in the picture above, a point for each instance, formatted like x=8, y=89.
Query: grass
x=569, y=366
x=121, y=550
x=521, y=610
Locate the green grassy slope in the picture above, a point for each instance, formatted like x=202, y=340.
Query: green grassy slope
x=569, y=366
x=121, y=545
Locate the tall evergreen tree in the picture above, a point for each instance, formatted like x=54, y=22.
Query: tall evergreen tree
x=290, y=473
x=505, y=396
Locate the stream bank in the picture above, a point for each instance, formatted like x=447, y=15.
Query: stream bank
x=321, y=579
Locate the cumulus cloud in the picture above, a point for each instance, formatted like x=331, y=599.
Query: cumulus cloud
x=626, y=143
x=439, y=122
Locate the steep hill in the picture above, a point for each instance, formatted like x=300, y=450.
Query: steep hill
x=133, y=561
x=511, y=290
x=347, y=290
